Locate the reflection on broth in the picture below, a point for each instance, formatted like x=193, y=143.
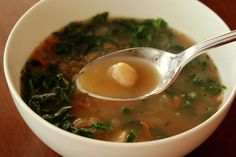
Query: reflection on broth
x=48, y=82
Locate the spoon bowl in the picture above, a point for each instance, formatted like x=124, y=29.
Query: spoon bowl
x=167, y=64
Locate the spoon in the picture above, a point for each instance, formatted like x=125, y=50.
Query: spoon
x=168, y=64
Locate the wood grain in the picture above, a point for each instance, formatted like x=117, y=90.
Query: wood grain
x=16, y=139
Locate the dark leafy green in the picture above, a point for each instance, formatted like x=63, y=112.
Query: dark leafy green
x=160, y=134
x=196, y=80
x=47, y=93
x=126, y=110
x=187, y=105
x=209, y=85
x=191, y=95
x=131, y=136
x=86, y=132
x=55, y=117
x=99, y=127
x=130, y=24
x=214, y=87
x=169, y=91
x=99, y=19
x=76, y=37
x=202, y=62
x=90, y=132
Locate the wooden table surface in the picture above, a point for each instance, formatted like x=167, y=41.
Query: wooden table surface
x=16, y=139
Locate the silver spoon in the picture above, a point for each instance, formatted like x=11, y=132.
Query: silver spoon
x=168, y=64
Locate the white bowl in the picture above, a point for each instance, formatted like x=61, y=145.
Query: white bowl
x=190, y=17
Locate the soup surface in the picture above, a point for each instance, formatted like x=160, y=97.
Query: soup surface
x=97, y=78
x=48, y=82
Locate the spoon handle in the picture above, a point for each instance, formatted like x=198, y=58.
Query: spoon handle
x=200, y=47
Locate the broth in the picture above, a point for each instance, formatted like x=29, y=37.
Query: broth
x=97, y=78
x=48, y=82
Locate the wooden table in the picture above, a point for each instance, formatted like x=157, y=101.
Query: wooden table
x=16, y=139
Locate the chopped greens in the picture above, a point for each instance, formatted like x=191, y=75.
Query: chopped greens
x=191, y=95
x=99, y=18
x=214, y=87
x=169, y=91
x=186, y=105
x=209, y=112
x=47, y=93
x=100, y=126
x=58, y=115
x=63, y=47
x=86, y=132
x=130, y=24
x=196, y=80
x=126, y=110
x=160, y=134
x=75, y=37
x=89, y=132
x=160, y=23
x=131, y=136
x=201, y=62
x=210, y=85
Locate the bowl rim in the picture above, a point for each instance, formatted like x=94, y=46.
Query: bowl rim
x=76, y=137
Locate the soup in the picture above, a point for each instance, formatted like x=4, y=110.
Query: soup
x=49, y=88
x=121, y=77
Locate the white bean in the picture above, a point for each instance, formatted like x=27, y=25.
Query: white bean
x=123, y=74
